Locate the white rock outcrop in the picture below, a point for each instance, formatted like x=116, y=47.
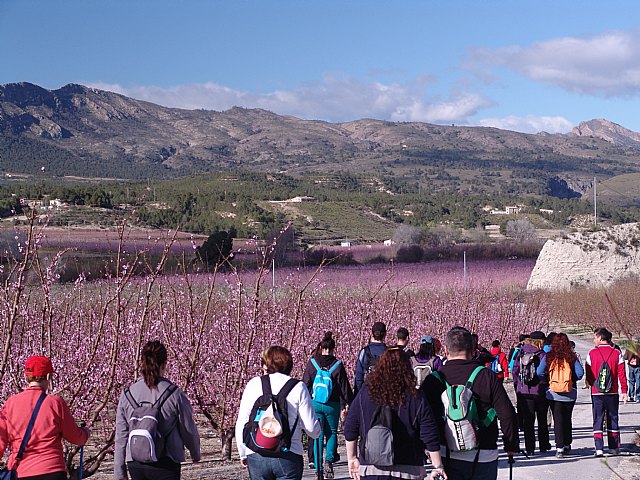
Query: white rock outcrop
x=588, y=258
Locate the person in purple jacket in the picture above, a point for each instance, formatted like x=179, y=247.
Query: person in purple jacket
x=531, y=398
x=414, y=426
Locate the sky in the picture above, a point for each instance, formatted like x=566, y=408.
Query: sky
x=522, y=65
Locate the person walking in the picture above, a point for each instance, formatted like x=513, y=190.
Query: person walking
x=631, y=355
x=42, y=458
x=499, y=365
x=561, y=369
x=323, y=372
x=402, y=336
x=489, y=392
x=368, y=356
x=531, y=390
x=426, y=360
x=287, y=465
x=389, y=392
x=175, y=423
x=604, y=370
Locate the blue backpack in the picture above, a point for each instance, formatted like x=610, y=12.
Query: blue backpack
x=323, y=383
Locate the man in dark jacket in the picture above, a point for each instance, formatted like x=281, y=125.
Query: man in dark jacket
x=489, y=393
x=370, y=354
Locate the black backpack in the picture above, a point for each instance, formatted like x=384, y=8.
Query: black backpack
x=604, y=382
x=371, y=359
x=278, y=405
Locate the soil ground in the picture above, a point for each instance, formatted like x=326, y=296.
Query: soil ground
x=580, y=464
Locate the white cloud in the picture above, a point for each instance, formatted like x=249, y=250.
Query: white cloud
x=334, y=99
x=529, y=124
x=605, y=65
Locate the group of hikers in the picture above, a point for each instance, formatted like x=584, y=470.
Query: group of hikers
x=408, y=412
x=431, y=413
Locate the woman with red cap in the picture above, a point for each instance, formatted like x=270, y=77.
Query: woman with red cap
x=43, y=458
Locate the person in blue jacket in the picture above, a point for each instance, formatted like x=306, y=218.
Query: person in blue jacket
x=562, y=369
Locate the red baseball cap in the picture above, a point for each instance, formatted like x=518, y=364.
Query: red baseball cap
x=38, y=366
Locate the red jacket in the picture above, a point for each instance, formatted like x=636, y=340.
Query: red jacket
x=44, y=449
x=616, y=363
x=502, y=359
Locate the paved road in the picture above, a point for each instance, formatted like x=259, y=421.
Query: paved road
x=581, y=463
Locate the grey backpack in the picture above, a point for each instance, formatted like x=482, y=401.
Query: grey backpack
x=377, y=448
x=145, y=440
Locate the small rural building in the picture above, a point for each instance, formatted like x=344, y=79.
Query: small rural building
x=345, y=243
x=303, y=199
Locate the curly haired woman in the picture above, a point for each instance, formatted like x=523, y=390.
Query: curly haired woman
x=392, y=384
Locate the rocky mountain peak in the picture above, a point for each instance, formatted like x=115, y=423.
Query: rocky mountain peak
x=609, y=131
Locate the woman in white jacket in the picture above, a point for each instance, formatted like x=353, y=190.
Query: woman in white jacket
x=278, y=363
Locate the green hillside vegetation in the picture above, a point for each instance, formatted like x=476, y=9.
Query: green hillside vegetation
x=621, y=190
x=347, y=207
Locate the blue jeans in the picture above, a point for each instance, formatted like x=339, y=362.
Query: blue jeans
x=461, y=470
x=634, y=383
x=287, y=467
x=328, y=414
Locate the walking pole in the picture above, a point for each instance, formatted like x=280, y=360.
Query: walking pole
x=318, y=460
x=81, y=456
x=511, y=462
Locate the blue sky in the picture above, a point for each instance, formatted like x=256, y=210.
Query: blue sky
x=521, y=65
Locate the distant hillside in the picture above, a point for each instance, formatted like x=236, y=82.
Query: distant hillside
x=87, y=132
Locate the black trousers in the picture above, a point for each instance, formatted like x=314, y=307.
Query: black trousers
x=47, y=476
x=562, y=426
x=531, y=408
x=163, y=469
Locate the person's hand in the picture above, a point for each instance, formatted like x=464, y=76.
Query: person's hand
x=438, y=474
x=343, y=414
x=625, y=398
x=354, y=468
x=243, y=462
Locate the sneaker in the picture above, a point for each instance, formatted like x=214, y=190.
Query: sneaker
x=312, y=465
x=566, y=449
x=559, y=452
x=599, y=453
x=614, y=451
x=328, y=470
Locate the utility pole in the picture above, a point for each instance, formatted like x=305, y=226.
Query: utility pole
x=595, y=202
x=464, y=262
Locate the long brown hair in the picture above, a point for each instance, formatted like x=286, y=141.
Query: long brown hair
x=392, y=378
x=561, y=350
x=152, y=358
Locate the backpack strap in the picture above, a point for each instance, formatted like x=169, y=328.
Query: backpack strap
x=32, y=421
x=334, y=366
x=129, y=397
x=490, y=415
x=368, y=355
x=284, y=393
x=315, y=364
x=165, y=395
x=266, y=385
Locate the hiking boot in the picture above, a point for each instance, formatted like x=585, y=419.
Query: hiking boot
x=328, y=470
x=599, y=453
x=559, y=452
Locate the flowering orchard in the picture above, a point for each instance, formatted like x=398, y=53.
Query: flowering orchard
x=216, y=325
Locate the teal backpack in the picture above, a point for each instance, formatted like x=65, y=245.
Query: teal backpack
x=323, y=383
x=461, y=415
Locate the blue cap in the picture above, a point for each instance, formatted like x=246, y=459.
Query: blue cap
x=426, y=339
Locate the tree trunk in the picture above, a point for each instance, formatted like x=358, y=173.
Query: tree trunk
x=226, y=438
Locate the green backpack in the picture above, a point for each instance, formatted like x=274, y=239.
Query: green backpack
x=461, y=415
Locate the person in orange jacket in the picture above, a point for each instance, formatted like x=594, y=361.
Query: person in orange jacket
x=43, y=458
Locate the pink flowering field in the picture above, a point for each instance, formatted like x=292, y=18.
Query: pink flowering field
x=216, y=325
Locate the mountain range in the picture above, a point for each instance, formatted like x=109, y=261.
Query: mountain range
x=81, y=131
